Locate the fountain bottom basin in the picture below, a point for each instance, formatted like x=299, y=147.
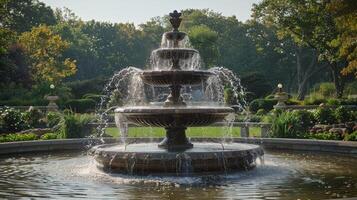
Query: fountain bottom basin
x=148, y=158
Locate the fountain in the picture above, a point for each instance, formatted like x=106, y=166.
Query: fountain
x=175, y=154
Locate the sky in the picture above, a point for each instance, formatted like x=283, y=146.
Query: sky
x=140, y=11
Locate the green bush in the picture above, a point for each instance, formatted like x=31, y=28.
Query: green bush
x=266, y=104
x=325, y=136
x=343, y=114
x=306, y=119
x=12, y=120
x=75, y=126
x=324, y=115
x=351, y=137
x=18, y=137
x=49, y=136
x=327, y=89
x=288, y=125
x=53, y=118
x=80, y=105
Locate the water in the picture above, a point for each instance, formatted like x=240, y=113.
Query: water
x=284, y=175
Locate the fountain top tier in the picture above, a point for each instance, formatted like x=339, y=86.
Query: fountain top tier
x=175, y=35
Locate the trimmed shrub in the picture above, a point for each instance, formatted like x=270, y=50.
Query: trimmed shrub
x=266, y=104
x=75, y=126
x=80, y=105
x=306, y=119
x=18, y=137
x=324, y=115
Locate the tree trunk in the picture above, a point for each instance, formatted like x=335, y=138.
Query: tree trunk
x=304, y=73
x=338, y=80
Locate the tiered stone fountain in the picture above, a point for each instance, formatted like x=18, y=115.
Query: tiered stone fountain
x=175, y=153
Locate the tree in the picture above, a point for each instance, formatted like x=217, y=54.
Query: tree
x=309, y=24
x=45, y=52
x=345, y=15
x=22, y=15
x=204, y=40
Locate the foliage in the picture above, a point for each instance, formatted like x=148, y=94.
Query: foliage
x=18, y=137
x=343, y=114
x=325, y=136
x=344, y=15
x=95, y=97
x=261, y=112
x=49, y=136
x=53, y=118
x=266, y=104
x=229, y=98
x=204, y=39
x=12, y=120
x=75, y=126
x=324, y=115
x=81, y=88
x=309, y=24
x=22, y=15
x=327, y=89
x=287, y=125
x=45, y=49
x=351, y=137
x=80, y=105
x=257, y=84
x=34, y=118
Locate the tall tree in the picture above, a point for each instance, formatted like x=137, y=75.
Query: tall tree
x=309, y=24
x=345, y=16
x=45, y=53
x=22, y=15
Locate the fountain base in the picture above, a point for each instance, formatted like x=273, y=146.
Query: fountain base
x=149, y=159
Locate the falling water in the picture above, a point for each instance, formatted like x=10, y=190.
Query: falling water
x=124, y=87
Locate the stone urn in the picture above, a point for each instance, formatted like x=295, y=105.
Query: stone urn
x=281, y=96
x=52, y=106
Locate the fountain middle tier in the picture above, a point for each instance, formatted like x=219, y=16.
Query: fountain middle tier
x=174, y=116
x=174, y=119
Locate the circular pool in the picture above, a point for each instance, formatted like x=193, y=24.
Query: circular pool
x=280, y=175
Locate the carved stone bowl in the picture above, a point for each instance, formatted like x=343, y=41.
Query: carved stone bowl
x=147, y=158
x=174, y=116
x=175, y=53
x=175, y=77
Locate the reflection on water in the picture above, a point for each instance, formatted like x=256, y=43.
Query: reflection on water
x=292, y=175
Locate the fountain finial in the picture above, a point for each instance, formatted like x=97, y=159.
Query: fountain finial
x=175, y=20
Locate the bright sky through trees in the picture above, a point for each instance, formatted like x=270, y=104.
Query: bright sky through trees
x=140, y=11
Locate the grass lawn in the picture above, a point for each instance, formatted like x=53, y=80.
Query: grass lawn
x=191, y=132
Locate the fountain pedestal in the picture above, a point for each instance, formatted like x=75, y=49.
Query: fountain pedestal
x=175, y=139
